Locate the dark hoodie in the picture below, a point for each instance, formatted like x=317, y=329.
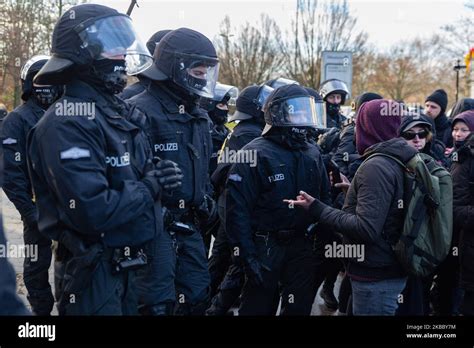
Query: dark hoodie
x=443, y=130
x=462, y=172
x=371, y=215
x=467, y=117
x=462, y=105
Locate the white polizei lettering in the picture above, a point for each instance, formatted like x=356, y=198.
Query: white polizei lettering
x=276, y=177
x=115, y=161
x=166, y=147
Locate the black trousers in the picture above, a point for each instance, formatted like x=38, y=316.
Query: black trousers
x=467, y=306
x=35, y=270
x=289, y=273
x=220, y=260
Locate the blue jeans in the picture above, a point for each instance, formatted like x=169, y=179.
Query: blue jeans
x=376, y=298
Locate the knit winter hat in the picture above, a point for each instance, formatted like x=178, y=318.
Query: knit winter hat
x=439, y=97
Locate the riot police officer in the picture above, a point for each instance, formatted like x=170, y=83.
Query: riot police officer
x=17, y=185
x=143, y=81
x=185, y=69
x=266, y=235
x=217, y=108
x=334, y=93
x=97, y=188
x=227, y=277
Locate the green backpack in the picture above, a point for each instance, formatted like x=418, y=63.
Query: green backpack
x=425, y=240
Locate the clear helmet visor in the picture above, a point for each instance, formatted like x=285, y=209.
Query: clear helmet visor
x=114, y=37
x=226, y=94
x=281, y=81
x=222, y=90
x=299, y=111
x=197, y=74
x=263, y=94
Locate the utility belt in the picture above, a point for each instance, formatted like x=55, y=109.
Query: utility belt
x=126, y=259
x=281, y=236
x=180, y=222
x=82, y=260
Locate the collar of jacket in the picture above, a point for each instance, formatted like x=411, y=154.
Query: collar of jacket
x=33, y=105
x=442, y=122
x=110, y=105
x=173, y=109
x=467, y=150
x=114, y=109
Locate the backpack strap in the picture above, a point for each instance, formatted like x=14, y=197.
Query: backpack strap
x=403, y=165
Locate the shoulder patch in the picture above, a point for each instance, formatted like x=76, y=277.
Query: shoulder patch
x=75, y=153
x=235, y=177
x=9, y=141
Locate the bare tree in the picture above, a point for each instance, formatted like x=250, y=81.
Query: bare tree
x=317, y=28
x=456, y=41
x=410, y=71
x=364, y=70
x=25, y=30
x=249, y=55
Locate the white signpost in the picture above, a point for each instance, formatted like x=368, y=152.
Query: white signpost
x=337, y=65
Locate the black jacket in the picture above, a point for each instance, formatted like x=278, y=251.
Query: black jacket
x=17, y=185
x=218, y=134
x=242, y=134
x=182, y=136
x=254, y=194
x=86, y=170
x=371, y=214
x=10, y=304
x=136, y=88
x=346, y=152
x=443, y=130
x=336, y=121
x=462, y=172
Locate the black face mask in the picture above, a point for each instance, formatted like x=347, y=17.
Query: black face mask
x=218, y=116
x=47, y=95
x=332, y=109
x=180, y=95
x=109, y=75
x=294, y=138
x=459, y=143
x=195, y=82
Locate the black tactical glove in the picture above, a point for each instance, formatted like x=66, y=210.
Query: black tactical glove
x=253, y=270
x=31, y=220
x=207, y=210
x=166, y=176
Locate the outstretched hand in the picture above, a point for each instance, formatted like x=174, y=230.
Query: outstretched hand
x=344, y=185
x=303, y=200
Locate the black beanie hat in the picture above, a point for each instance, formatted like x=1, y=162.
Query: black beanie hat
x=364, y=97
x=439, y=97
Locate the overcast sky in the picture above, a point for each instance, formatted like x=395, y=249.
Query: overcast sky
x=386, y=21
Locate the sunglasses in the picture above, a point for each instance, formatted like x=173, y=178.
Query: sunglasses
x=409, y=135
